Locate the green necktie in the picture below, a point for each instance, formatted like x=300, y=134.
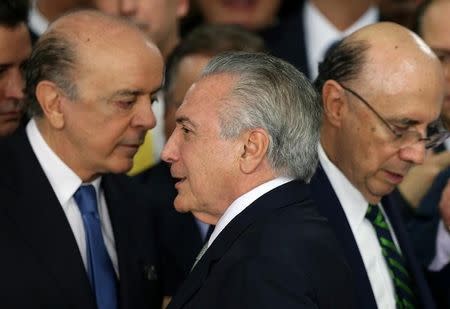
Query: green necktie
x=403, y=283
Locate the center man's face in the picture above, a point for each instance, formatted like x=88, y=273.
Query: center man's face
x=204, y=163
x=15, y=48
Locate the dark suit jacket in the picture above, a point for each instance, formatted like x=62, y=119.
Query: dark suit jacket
x=40, y=263
x=178, y=233
x=423, y=227
x=274, y=254
x=330, y=207
x=286, y=40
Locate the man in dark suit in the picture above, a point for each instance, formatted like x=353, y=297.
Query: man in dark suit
x=381, y=90
x=15, y=48
x=182, y=236
x=241, y=166
x=73, y=234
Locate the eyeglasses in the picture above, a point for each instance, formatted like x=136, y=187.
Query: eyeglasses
x=436, y=134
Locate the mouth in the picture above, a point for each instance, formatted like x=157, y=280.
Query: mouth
x=394, y=178
x=179, y=181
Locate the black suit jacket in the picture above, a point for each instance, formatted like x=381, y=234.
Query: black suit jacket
x=277, y=253
x=330, y=207
x=423, y=228
x=178, y=233
x=40, y=263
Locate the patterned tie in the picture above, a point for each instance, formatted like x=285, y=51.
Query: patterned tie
x=200, y=254
x=403, y=283
x=100, y=269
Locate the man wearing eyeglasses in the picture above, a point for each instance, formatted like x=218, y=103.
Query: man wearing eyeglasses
x=382, y=91
x=426, y=190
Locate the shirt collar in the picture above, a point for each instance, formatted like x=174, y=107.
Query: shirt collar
x=37, y=22
x=352, y=201
x=243, y=202
x=320, y=33
x=62, y=178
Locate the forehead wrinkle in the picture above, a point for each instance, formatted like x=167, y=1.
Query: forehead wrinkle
x=184, y=119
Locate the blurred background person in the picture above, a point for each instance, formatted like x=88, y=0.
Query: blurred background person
x=299, y=32
x=43, y=12
x=182, y=234
x=15, y=48
x=159, y=19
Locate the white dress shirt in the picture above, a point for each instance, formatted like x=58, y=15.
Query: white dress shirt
x=65, y=183
x=355, y=207
x=320, y=33
x=36, y=21
x=243, y=202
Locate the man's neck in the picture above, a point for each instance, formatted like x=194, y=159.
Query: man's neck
x=344, y=13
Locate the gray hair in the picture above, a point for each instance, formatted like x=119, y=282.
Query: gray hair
x=273, y=95
x=53, y=59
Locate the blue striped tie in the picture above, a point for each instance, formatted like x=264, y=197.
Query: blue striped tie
x=403, y=283
x=100, y=269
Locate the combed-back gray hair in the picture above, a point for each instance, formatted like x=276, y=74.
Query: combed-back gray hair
x=273, y=95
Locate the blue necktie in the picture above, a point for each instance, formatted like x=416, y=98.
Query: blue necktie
x=100, y=269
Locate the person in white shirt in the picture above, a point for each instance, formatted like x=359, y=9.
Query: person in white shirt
x=73, y=234
x=243, y=149
x=382, y=89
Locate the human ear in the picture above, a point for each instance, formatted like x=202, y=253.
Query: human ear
x=49, y=97
x=256, y=144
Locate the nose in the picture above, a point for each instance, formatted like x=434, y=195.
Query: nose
x=414, y=153
x=143, y=115
x=14, y=89
x=128, y=7
x=170, y=151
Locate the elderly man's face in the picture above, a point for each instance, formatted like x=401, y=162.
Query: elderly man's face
x=204, y=163
x=15, y=47
x=252, y=15
x=106, y=124
x=368, y=152
x=436, y=33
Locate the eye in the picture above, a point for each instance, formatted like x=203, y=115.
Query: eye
x=185, y=130
x=125, y=104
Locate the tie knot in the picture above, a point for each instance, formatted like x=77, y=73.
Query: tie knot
x=86, y=199
x=375, y=216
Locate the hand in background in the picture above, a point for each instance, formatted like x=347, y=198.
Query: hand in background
x=420, y=178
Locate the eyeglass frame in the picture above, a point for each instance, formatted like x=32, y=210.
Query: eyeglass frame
x=432, y=141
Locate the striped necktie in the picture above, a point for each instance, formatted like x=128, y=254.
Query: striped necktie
x=403, y=283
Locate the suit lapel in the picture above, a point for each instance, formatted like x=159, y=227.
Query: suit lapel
x=330, y=207
x=120, y=223
x=44, y=226
x=292, y=192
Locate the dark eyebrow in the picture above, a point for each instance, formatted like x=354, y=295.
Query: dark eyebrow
x=182, y=120
x=133, y=92
x=406, y=122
